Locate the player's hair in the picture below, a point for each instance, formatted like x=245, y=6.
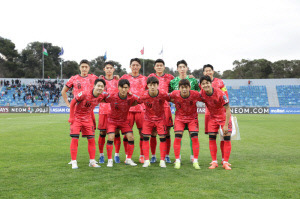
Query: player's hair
x=208, y=66
x=184, y=82
x=108, y=63
x=205, y=77
x=181, y=62
x=122, y=82
x=100, y=80
x=84, y=61
x=152, y=80
x=159, y=61
x=135, y=59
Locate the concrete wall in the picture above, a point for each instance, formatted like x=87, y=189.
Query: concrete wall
x=235, y=83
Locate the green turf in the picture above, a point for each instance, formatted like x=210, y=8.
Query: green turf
x=34, y=152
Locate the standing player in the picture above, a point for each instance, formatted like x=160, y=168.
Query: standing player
x=81, y=120
x=215, y=83
x=104, y=109
x=186, y=116
x=182, y=68
x=154, y=101
x=216, y=101
x=138, y=85
x=80, y=82
x=164, y=84
x=117, y=119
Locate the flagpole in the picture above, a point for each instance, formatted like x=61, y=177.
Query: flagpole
x=43, y=61
x=143, y=63
x=162, y=54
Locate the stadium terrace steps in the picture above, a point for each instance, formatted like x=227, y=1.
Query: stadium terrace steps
x=272, y=96
x=61, y=101
x=288, y=95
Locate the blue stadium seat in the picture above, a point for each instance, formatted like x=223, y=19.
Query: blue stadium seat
x=288, y=95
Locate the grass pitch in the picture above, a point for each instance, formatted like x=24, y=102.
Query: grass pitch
x=34, y=152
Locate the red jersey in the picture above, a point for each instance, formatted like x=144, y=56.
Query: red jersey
x=164, y=83
x=215, y=104
x=119, y=107
x=111, y=87
x=138, y=85
x=186, y=109
x=154, y=105
x=86, y=104
x=80, y=83
x=217, y=83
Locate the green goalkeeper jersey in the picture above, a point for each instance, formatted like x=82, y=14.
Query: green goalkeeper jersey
x=174, y=84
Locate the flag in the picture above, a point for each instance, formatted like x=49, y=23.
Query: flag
x=142, y=51
x=45, y=52
x=61, y=52
x=105, y=56
x=161, y=52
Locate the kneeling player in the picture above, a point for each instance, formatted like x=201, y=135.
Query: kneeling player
x=120, y=104
x=154, y=101
x=81, y=120
x=186, y=115
x=216, y=101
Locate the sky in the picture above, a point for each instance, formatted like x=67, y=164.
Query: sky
x=200, y=32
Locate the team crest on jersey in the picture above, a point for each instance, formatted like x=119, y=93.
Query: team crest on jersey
x=225, y=98
x=149, y=105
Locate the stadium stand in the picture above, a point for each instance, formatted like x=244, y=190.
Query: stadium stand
x=248, y=96
x=37, y=94
x=288, y=95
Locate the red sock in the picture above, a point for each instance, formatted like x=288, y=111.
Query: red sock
x=177, y=147
x=74, y=148
x=163, y=149
x=213, y=149
x=109, y=149
x=146, y=149
x=125, y=142
x=92, y=147
x=168, y=139
x=101, y=142
x=227, y=150
x=141, y=146
x=117, y=142
x=222, y=148
x=196, y=147
x=153, y=143
x=130, y=148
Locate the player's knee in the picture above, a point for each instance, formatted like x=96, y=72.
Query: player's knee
x=227, y=138
x=117, y=135
x=212, y=137
x=130, y=136
x=194, y=135
x=110, y=142
x=178, y=135
x=162, y=139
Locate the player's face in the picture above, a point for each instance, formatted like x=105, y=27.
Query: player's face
x=182, y=69
x=184, y=90
x=109, y=70
x=135, y=67
x=206, y=85
x=159, y=67
x=99, y=88
x=209, y=72
x=84, y=69
x=124, y=90
x=152, y=87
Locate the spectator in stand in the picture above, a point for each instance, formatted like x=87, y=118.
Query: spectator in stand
x=249, y=82
x=1, y=82
x=12, y=82
x=14, y=96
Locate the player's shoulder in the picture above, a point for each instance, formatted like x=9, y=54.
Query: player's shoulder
x=92, y=76
x=169, y=76
x=152, y=75
x=194, y=92
x=125, y=76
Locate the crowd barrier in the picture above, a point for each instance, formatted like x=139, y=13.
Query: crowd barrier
x=201, y=110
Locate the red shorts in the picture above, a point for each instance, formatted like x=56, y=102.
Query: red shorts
x=86, y=128
x=159, y=125
x=102, y=124
x=193, y=126
x=123, y=126
x=212, y=126
x=138, y=117
x=169, y=119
